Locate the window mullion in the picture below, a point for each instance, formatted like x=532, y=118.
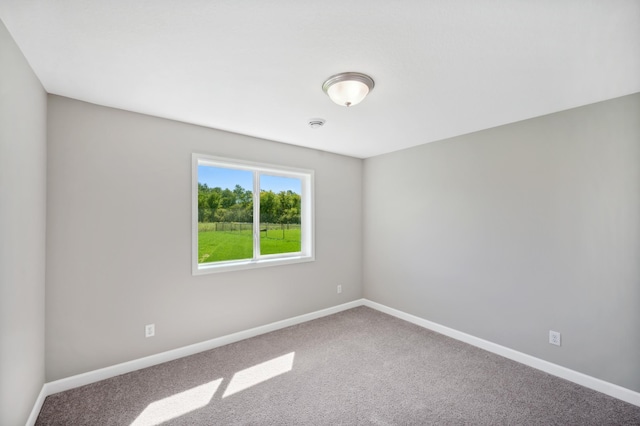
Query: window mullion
x=256, y=215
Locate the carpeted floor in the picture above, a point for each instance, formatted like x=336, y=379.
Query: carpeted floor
x=357, y=367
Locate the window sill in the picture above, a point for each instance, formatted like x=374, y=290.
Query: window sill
x=204, y=269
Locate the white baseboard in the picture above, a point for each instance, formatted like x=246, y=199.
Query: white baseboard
x=149, y=361
x=37, y=406
x=72, y=382
x=607, y=388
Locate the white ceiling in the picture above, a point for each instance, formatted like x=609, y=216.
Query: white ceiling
x=441, y=67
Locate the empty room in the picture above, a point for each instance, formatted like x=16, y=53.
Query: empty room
x=303, y=213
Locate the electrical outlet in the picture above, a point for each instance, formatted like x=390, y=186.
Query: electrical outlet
x=149, y=330
x=339, y=288
x=554, y=337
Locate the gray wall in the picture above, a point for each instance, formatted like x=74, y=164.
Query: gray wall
x=510, y=232
x=23, y=109
x=119, y=239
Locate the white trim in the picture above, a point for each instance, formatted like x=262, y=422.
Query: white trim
x=194, y=213
x=72, y=382
x=599, y=385
x=213, y=160
x=35, y=411
x=239, y=265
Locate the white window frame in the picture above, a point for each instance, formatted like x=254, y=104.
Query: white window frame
x=307, y=226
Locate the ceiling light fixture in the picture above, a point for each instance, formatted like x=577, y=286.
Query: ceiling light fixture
x=348, y=88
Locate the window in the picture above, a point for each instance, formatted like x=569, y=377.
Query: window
x=248, y=215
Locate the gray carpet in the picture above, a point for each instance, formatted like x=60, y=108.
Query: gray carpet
x=357, y=367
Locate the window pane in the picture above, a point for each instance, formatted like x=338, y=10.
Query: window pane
x=280, y=210
x=225, y=214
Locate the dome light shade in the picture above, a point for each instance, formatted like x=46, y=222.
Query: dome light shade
x=349, y=88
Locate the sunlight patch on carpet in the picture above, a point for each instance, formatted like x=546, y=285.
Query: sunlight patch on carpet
x=259, y=373
x=177, y=405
